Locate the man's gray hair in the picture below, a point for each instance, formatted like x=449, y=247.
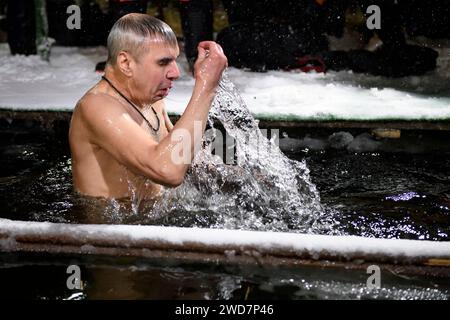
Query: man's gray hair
x=131, y=32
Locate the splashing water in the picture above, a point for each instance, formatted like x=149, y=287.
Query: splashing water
x=265, y=190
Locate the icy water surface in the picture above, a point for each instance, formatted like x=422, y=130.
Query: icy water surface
x=374, y=194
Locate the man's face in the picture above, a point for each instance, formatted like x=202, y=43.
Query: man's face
x=155, y=71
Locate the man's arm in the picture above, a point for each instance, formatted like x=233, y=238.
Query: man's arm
x=168, y=123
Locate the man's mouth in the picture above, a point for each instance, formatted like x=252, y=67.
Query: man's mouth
x=167, y=87
x=165, y=91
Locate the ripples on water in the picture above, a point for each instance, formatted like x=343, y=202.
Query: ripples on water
x=116, y=278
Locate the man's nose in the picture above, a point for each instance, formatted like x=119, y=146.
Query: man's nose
x=174, y=72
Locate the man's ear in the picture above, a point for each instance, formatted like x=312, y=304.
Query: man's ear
x=124, y=63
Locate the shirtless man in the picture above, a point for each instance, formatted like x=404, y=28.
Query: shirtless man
x=120, y=135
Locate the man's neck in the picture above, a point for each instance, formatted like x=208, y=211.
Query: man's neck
x=122, y=84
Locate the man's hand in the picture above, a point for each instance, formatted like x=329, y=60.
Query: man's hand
x=211, y=62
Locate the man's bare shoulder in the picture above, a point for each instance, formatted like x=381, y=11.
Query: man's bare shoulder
x=94, y=103
x=97, y=108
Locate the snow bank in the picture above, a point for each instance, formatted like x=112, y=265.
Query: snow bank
x=27, y=83
x=316, y=246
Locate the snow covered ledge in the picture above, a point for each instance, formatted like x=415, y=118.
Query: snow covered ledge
x=216, y=244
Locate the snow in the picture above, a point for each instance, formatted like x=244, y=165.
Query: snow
x=295, y=244
x=28, y=83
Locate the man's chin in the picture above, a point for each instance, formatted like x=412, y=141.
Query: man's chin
x=156, y=98
x=162, y=95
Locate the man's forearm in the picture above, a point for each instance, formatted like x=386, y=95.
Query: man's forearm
x=180, y=146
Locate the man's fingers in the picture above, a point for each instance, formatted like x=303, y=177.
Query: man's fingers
x=206, y=44
x=210, y=47
x=201, y=52
x=212, y=50
x=203, y=49
x=219, y=48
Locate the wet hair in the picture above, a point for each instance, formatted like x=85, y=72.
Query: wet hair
x=132, y=32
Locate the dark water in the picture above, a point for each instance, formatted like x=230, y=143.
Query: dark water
x=41, y=276
x=378, y=193
x=387, y=195
x=374, y=194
